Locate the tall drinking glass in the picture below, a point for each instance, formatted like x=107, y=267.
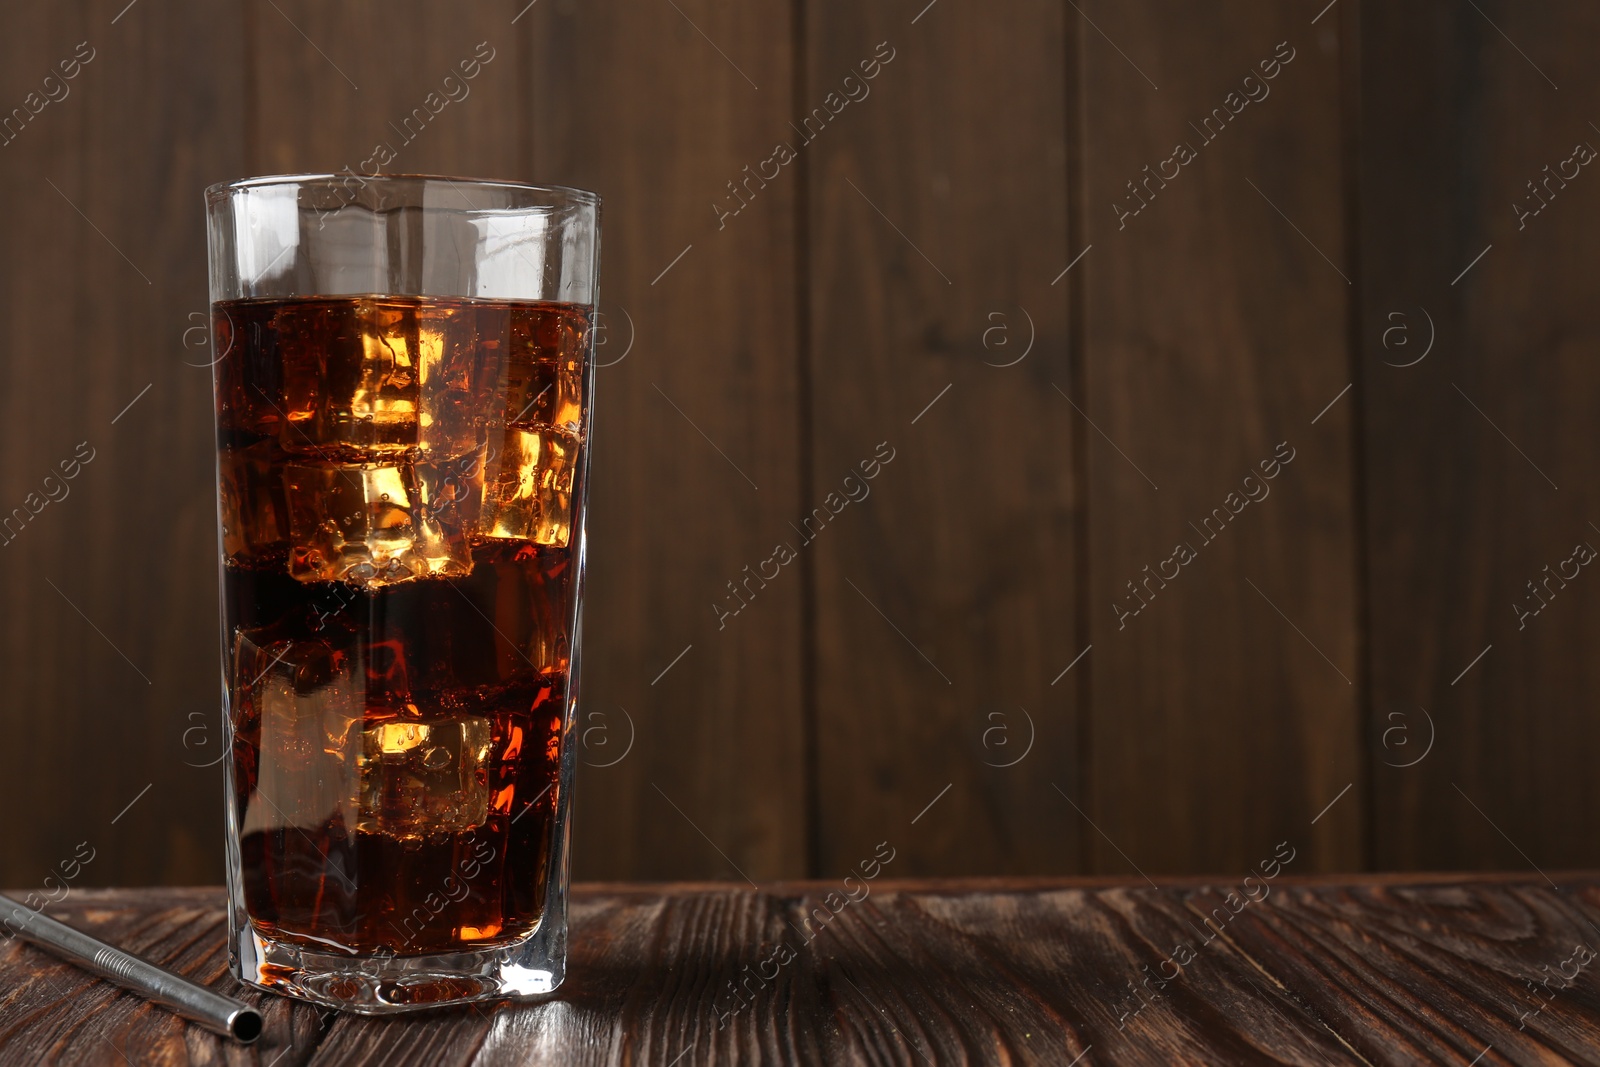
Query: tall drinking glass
x=403, y=374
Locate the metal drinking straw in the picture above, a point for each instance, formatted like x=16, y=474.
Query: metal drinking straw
x=217, y=1013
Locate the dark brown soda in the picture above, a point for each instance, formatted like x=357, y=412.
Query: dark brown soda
x=400, y=484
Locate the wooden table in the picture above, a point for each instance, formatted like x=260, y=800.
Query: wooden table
x=1457, y=969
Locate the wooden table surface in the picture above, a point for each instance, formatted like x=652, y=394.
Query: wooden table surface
x=1454, y=969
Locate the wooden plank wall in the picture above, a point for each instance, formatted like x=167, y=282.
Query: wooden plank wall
x=1479, y=455
x=700, y=425
x=1222, y=592
x=980, y=270
x=109, y=640
x=943, y=601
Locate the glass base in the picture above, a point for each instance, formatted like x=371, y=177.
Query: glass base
x=380, y=985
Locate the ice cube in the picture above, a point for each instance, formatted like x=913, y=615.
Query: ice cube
x=374, y=524
x=351, y=522
x=423, y=777
x=544, y=374
x=528, y=487
x=449, y=491
x=255, y=516
x=377, y=378
x=451, y=360
x=303, y=702
x=349, y=380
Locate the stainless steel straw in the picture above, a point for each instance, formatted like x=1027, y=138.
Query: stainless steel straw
x=217, y=1013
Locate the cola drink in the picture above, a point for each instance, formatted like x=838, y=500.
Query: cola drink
x=400, y=479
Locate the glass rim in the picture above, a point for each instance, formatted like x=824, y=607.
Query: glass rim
x=219, y=191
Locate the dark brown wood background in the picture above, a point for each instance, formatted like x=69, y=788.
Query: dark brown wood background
x=1350, y=640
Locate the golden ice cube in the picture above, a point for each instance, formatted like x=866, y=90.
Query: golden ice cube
x=419, y=778
x=349, y=381
x=449, y=354
x=351, y=522
x=370, y=524
x=544, y=372
x=545, y=393
x=397, y=738
x=449, y=496
x=528, y=494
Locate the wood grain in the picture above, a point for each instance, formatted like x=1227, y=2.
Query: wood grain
x=1467, y=447
x=335, y=81
x=945, y=599
x=1401, y=991
x=1225, y=696
x=108, y=640
x=1039, y=971
x=696, y=449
